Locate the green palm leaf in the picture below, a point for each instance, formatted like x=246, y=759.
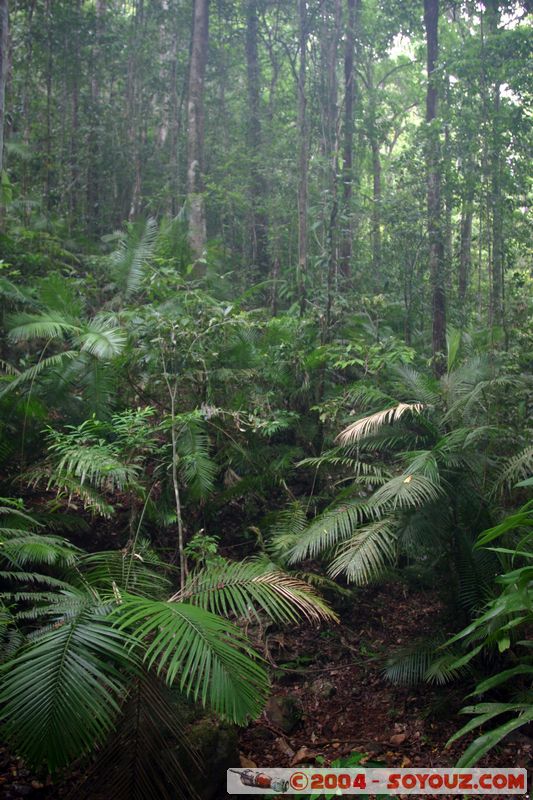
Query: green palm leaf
x=62, y=694
x=101, y=339
x=48, y=325
x=133, y=253
x=245, y=588
x=367, y=553
x=329, y=529
x=208, y=657
x=367, y=426
x=147, y=756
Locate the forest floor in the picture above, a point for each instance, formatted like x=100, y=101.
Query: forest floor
x=333, y=677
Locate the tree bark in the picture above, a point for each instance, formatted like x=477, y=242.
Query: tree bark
x=4, y=64
x=258, y=189
x=195, y=170
x=303, y=159
x=434, y=224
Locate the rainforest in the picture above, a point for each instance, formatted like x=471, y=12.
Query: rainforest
x=266, y=394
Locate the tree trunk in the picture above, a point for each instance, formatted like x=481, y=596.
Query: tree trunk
x=75, y=122
x=195, y=170
x=347, y=168
x=333, y=146
x=496, y=204
x=258, y=189
x=49, y=64
x=93, y=170
x=465, y=248
x=4, y=39
x=435, y=237
x=303, y=160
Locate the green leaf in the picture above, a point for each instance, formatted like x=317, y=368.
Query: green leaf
x=208, y=657
x=484, y=743
x=62, y=694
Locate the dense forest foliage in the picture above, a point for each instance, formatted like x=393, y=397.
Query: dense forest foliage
x=266, y=340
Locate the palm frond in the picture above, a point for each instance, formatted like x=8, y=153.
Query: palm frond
x=51, y=362
x=32, y=548
x=129, y=260
x=50, y=325
x=284, y=533
x=422, y=388
x=366, y=426
x=100, y=339
x=207, y=656
x=370, y=549
x=404, y=492
x=329, y=529
x=147, y=757
x=513, y=470
x=246, y=588
x=61, y=695
x=197, y=467
x=137, y=570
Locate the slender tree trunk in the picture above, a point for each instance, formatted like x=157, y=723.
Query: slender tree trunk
x=75, y=121
x=49, y=64
x=258, y=189
x=465, y=247
x=195, y=171
x=333, y=147
x=347, y=168
x=93, y=171
x=435, y=238
x=303, y=159
x=4, y=65
x=376, y=212
x=135, y=114
x=496, y=203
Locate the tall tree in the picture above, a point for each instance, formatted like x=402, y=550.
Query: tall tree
x=258, y=189
x=347, y=170
x=332, y=145
x=196, y=129
x=303, y=158
x=434, y=210
x=495, y=156
x=94, y=179
x=4, y=17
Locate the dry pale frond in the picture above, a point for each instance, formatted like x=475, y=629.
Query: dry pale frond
x=372, y=423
